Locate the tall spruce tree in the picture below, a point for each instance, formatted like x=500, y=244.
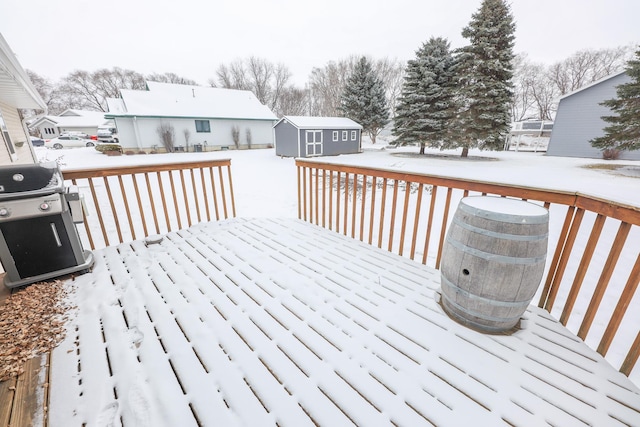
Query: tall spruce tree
x=426, y=106
x=363, y=99
x=624, y=131
x=485, y=72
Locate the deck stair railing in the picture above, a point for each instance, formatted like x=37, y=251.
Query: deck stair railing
x=593, y=265
x=132, y=202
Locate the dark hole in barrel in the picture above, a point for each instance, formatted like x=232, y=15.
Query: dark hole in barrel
x=465, y=272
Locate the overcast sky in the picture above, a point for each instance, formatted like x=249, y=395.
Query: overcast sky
x=193, y=37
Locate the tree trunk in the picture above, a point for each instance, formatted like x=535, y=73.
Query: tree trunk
x=465, y=152
x=422, y=148
x=373, y=137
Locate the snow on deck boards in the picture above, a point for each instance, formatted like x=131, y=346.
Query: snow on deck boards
x=280, y=322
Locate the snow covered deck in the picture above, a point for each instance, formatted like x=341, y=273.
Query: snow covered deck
x=280, y=322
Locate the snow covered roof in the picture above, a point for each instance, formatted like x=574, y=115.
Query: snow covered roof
x=73, y=118
x=173, y=100
x=73, y=112
x=307, y=122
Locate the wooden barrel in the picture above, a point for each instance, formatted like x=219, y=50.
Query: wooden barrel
x=493, y=261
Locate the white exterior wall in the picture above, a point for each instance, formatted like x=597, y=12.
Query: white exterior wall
x=18, y=135
x=142, y=133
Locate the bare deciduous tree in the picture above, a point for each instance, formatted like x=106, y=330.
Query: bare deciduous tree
x=535, y=95
x=281, y=76
x=47, y=91
x=588, y=66
x=537, y=86
x=167, y=135
x=235, y=135
x=187, y=136
x=85, y=90
x=391, y=72
x=326, y=85
x=267, y=81
x=522, y=99
x=231, y=76
x=170, y=78
x=292, y=102
x=249, y=137
x=260, y=73
x=91, y=90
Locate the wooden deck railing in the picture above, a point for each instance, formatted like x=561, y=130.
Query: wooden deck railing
x=593, y=265
x=132, y=202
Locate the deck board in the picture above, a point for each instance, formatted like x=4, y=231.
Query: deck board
x=7, y=393
x=24, y=398
x=278, y=322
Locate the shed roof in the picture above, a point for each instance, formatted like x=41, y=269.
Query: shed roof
x=187, y=101
x=307, y=122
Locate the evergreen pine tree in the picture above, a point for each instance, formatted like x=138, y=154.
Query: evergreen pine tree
x=485, y=72
x=426, y=105
x=364, y=101
x=624, y=131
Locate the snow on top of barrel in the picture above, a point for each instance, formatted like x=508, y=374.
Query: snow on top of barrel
x=504, y=205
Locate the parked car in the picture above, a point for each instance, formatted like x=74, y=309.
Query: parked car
x=107, y=135
x=37, y=142
x=76, y=133
x=68, y=141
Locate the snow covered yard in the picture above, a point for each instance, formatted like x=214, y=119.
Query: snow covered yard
x=265, y=185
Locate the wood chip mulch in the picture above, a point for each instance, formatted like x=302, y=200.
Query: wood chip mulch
x=32, y=321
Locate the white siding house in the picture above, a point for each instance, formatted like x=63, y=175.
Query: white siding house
x=68, y=121
x=579, y=120
x=202, y=118
x=16, y=91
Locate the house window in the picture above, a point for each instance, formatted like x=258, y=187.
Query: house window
x=48, y=131
x=335, y=135
x=344, y=135
x=4, y=135
x=353, y=135
x=203, y=126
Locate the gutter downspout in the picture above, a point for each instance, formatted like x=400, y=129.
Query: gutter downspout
x=136, y=131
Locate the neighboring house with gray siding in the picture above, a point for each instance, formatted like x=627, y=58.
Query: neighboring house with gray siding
x=301, y=136
x=579, y=120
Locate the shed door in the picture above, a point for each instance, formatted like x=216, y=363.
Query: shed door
x=314, y=142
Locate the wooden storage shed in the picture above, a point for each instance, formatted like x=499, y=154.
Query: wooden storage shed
x=301, y=136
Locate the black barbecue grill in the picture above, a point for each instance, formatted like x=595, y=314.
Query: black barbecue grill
x=38, y=236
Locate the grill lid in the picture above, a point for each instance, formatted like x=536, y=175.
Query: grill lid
x=18, y=181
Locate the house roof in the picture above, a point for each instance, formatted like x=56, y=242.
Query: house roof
x=16, y=88
x=566, y=95
x=73, y=118
x=186, y=101
x=72, y=112
x=308, y=122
